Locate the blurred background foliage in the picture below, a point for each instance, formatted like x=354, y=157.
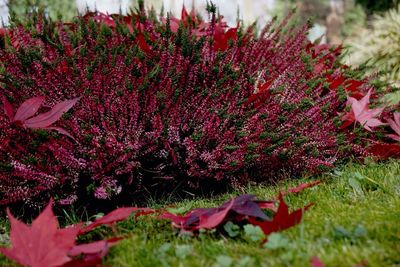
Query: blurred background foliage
x=65, y=9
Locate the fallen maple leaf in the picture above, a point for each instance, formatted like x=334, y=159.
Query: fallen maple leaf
x=116, y=215
x=361, y=113
x=211, y=221
x=42, y=243
x=25, y=113
x=301, y=187
x=395, y=125
x=236, y=209
x=282, y=219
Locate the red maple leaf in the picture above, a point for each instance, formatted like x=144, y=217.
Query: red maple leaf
x=282, y=219
x=395, y=125
x=360, y=112
x=301, y=187
x=116, y=215
x=25, y=113
x=222, y=38
x=42, y=243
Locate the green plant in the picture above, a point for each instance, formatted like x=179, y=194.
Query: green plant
x=379, y=47
x=55, y=9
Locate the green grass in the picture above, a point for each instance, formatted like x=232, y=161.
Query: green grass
x=356, y=218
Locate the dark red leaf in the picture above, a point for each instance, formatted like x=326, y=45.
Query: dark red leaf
x=282, y=219
x=336, y=82
x=215, y=219
x=28, y=108
x=184, y=14
x=239, y=208
x=268, y=204
x=143, y=44
x=384, y=151
x=246, y=205
x=117, y=215
x=46, y=119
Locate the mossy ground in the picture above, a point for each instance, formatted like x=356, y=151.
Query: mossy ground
x=355, y=219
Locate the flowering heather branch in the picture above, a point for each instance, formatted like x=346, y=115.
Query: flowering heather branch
x=167, y=102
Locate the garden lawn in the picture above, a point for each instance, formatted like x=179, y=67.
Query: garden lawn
x=355, y=219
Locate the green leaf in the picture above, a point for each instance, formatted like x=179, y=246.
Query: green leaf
x=178, y=211
x=253, y=233
x=224, y=261
x=276, y=241
x=232, y=229
x=182, y=251
x=355, y=184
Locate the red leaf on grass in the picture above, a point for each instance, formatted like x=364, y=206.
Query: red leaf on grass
x=8, y=109
x=267, y=204
x=42, y=243
x=46, y=119
x=361, y=113
x=28, y=108
x=316, y=262
x=117, y=215
x=301, y=187
x=282, y=219
x=239, y=208
x=395, y=125
x=91, y=254
x=215, y=219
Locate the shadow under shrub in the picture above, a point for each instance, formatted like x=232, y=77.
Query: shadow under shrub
x=168, y=103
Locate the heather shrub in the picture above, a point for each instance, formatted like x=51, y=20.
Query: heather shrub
x=169, y=103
